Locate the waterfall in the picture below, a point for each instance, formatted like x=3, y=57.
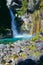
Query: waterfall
x=13, y=26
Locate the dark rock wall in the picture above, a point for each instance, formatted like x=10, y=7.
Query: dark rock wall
x=5, y=18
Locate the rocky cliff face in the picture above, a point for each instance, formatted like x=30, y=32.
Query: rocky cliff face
x=33, y=4
x=17, y=6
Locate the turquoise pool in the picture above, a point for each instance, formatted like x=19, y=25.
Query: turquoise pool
x=26, y=37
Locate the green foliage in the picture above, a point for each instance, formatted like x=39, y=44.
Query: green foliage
x=42, y=38
x=41, y=63
x=23, y=8
x=35, y=38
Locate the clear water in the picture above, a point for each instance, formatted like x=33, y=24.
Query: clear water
x=19, y=37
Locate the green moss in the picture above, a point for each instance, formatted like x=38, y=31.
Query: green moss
x=32, y=47
x=42, y=38
x=35, y=38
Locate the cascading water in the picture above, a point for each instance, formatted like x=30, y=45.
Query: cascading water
x=13, y=26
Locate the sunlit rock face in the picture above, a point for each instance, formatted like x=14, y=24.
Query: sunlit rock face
x=14, y=2
x=17, y=1
x=41, y=14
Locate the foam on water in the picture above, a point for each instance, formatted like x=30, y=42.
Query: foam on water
x=23, y=36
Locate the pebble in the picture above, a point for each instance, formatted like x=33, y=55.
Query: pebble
x=13, y=53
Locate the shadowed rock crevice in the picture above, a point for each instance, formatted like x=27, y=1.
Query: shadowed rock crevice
x=5, y=18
